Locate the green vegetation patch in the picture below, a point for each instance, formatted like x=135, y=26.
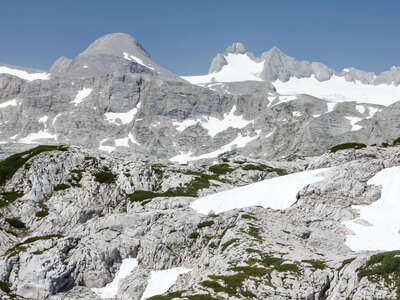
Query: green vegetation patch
x=61, y=187
x=315, y=263
x=386, y=266
x=264, y=168
x=5, y=286
x=43, y=212
x=205, y=224
x=254, y=232
x=221, y=169
x=106, y=177
x=16, y=223
x=169, y=296
x=227, y=244
x=396, y=142
x=232, y=284
x=9, y=197
x=190, y=189
x=271, y=262
x=201, y=297
x=347, y=146
x=194, y=235
x=11, y=164
x=346, y=262
x=249, y=217
x=21, y=247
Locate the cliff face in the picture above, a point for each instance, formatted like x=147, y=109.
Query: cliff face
x=113, y=97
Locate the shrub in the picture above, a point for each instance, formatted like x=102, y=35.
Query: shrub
x=194, y=235
x=221, y=169
x=316, y=264
x=9, y=197
x=190, y=189
x=5, y=286
x=227, y=244
x=381, y=264
x=43, y=212
x=251, y=167
x=106, y=177
x=347, y=146
x=21, y=247
x=205, y=224
x=169, y=296
x=60, y=187
x=16, y=223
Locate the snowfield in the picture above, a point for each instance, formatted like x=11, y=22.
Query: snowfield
x=239, y=142
x=214, y=125
x=24, y=75
x=339, y=90
x=122, y=118
x=8, y=103
x=378, y=226
x=277, y=193
x=240, y=67
x=160, y=281
x=111, y=289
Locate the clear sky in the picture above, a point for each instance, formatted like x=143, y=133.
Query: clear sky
x=184, y=35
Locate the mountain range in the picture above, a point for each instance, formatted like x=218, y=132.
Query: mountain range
x=267, y=178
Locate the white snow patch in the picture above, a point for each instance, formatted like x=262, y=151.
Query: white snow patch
x=239, y=142
x=122, y=118
x=43, y=119
x=240, y=67
x=353, y=121
x=33, y=138
x=372, y=111
x=277, y=193
x=331, y=106
x=124, y=142
x=215, y=125
x=106, y=148
x=338, y=89
x=297, y=114
x=382, y=216
x=111, y=289
x=160, y=281
x=12, y=102
x=360, y=108
x=137, y=60
x=82, y=94
x=24, y=75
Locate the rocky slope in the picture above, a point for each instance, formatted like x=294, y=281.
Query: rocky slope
x=113, y=97
x=70, y=217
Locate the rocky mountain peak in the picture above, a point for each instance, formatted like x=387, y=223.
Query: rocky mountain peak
x=273, y=52
x=116, y=44
x=236, y=48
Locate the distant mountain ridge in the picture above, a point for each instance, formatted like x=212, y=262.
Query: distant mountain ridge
x=279, y=66
x=113, y=97
x=291, y=76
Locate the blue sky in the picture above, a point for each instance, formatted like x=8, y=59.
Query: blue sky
x=184, y=35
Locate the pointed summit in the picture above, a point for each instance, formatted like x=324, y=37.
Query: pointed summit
x=116, y=44
x=112, y=53
x=236, y=48
x=273, y=52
